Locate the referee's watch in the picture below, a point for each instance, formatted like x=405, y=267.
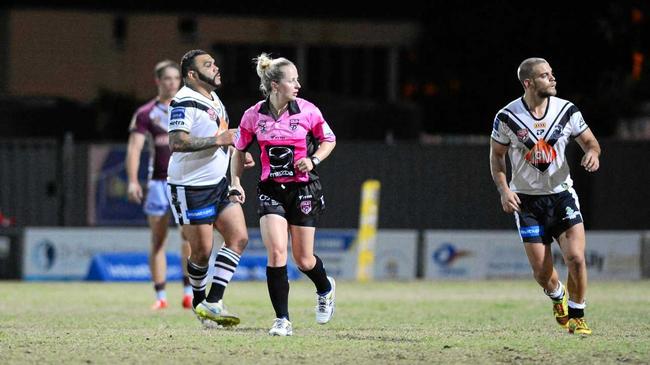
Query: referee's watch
x=315, y=160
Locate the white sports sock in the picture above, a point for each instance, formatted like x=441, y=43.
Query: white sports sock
x=575, y=305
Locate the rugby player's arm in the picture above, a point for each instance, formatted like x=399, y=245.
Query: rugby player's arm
x=248, y=158
x=591, y=147
x=237, y=164
x=509, y=200
x=133, y=152
x=181, y=141
x=498, y=165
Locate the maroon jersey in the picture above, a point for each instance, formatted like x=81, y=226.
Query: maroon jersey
x=152, y=120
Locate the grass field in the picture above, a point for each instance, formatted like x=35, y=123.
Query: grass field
x=377, y=323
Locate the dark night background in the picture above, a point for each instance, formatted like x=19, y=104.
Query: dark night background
x=457, y=75
x=426, y=136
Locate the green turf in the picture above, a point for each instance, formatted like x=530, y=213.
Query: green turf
x=379, y=323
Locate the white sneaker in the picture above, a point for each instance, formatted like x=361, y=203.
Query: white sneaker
x=281, y=327
x=216, y=313
x=325, y=304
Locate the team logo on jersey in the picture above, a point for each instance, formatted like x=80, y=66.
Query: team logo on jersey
x=178, y=113
x=522, y=135
x=293, y=124
x=212, y=114
x=261, y=126
x=557, y=131
x=305, y=206
x=541, y=155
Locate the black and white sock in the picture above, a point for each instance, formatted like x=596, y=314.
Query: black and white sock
x=199, y=280
x=224, y=268
x=558, y=293
x=278, y=284
x=318, y=275
x=577, y=310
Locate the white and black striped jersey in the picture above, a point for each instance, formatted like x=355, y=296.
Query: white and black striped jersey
x=537, y=146
x=199, y=116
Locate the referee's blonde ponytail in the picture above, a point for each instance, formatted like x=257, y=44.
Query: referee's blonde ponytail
x=268, y=70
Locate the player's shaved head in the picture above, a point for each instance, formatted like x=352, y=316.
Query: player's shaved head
x=525, y=70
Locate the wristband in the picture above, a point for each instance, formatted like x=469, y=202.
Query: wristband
x=315, y=160
x=233, y=192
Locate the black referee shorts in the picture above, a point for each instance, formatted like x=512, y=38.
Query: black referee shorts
x=301, y=204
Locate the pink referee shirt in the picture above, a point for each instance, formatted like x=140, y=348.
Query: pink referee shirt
x=296, y=134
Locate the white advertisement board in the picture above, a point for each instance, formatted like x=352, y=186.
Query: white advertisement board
x=609, y=255
x=474, y=255
x=396, y=255
x=500, y=254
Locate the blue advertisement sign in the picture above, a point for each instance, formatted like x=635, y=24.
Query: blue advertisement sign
x=134, y=266
x=130, y=266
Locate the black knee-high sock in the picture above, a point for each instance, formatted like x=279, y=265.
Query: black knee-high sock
x=199, y=280
x=278, y=284
x=318, y=275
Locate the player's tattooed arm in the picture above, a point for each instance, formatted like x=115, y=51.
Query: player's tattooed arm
x=181, y=141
